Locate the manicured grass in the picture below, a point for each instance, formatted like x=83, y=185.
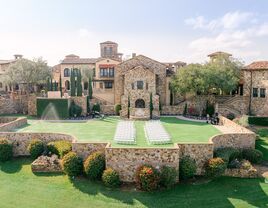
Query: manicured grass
x=103, y=130
x=19, y=187
x=262, y=142
x=188, y=131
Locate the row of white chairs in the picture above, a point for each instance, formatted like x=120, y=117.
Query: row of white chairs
x=125, y=133
x=156, y=133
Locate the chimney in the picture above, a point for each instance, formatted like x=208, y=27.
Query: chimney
x=17, y=56
x=133, y=55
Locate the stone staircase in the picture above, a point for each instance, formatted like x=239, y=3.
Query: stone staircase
x=101, y=101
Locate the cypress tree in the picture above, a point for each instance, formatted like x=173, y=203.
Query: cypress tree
x=79, y=84
x=60, y=86
x=72, y=79
x=90, y=87
x=51, y=85
x=55, y=86
x=151, y=106
x=48, y=84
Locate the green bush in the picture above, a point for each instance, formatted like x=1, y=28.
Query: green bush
x=72, y=164
x=36, y=148
x=230, y=116
x=6, y=151
x=228, y=154
x=147, y=178
x=110, y=178
x=261, y=121
x=168, y=176
x=96, y=107
x=215, y=167
x=117, y=109
x=61, y=106
x=94, y=165
x=187, y=167
x=210, y=109
x=253, y=155
x=75, y=110
x=263, y=132
x=59, y=148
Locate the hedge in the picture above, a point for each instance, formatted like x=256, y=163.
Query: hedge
x=261, y=121
x=61, y=106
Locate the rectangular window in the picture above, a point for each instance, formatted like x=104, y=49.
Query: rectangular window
x=255, y=92
x=262, y=92
x=108, y=85
x=139, y=85
x=111, y=72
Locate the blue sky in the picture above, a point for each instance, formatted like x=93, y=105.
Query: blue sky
x=166, y=30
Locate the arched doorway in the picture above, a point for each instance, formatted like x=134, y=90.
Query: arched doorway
x=67, y=85
x=139, y=103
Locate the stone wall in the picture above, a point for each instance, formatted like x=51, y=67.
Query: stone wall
x=230, y=124
x=126, y=160
x=82, y=102
x=10, y=123
x=108, y=109
x=200, y=152
x=32, y=108
x=236, y=140
x=84, y=149
x=172, y=109
x=21, y=140
x=7, y=106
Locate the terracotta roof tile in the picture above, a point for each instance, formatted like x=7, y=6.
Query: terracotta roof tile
x=80, y=61
x=257, y=65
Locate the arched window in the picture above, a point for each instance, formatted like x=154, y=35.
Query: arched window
x=75, y=71
x=140, y=103
x=85, y=85
x=67, y=85
x=66, y=72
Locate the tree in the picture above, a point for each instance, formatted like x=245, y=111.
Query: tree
x=79, y=83
x=55, y=86
x=60, y=83
x=90, y=91
x=28, y=73
x=48, y=84
x=151, y=106
x=72, y=79
x=51, y=85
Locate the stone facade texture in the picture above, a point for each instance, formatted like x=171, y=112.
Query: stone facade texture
x=108, y=109
x=126, y=160
x=82, y=102
x=46, y=164
x=32, y=108
x=84, y=149
x=10, y=123
x=173, y=109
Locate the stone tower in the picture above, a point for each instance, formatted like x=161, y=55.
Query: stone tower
x=109, y=49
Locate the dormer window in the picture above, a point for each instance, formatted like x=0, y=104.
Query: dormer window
x=139, y=85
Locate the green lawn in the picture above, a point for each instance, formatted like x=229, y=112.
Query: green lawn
x=262, y=143
x=103, y=130
x=19, y=187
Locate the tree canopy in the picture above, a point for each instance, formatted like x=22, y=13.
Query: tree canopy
x=28, y=72
x=222, y=74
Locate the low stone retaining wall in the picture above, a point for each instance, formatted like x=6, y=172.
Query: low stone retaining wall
x=21, y=140
x=239, y=140
x=242, y=173
x=228, y=123
x=84, y=149
x=200, y=152
x=126, y=160
x=82, y=102
x=108, y=109
x=172, y=110
x=10, y=123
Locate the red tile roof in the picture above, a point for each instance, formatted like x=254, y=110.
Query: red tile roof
x=219, y=53
x=257, y=65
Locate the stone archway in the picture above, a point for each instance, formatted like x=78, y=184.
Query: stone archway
x=139, y=103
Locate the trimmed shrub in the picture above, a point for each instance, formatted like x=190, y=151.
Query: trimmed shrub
x=210, y=109
x=110, y=178
x=261, y=121
x=59, y=148
x=187, y=167
x=215, y=167
x=72, y=164
x=75, y=110
x=96, y=107
x=61, y=106
x=94, y=165
x=168, y=176
x=147, y=178
x=117, y=109
x=228, y=154
x=36, y=148
x=253, y=155
x=6, y=151
x=230, y=116
x=234, y=164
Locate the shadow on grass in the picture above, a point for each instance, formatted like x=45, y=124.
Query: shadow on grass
x=39, y=174
x=213, y=194
x=262, y=145
x=14, y=165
